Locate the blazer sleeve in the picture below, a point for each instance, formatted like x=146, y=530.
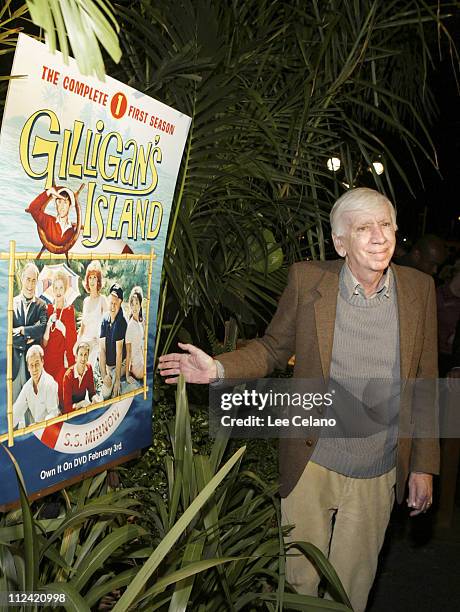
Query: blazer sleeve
x=425, y=445
x=263, y=355
x=67, y=389
x=37, y=329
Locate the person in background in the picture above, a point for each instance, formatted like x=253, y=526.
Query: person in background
x=94, y=308
x=29, y=324
x=60, y=333
x=38, y=399
x=78, y=382
x=427, y=255
x=135, y=338
x=112, y=347
x=454, y=372
x=448, y=304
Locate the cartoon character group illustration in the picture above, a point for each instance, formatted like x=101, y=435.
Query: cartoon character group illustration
x=58, y=369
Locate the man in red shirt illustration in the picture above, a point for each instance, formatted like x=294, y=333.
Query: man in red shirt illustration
x=58, y=229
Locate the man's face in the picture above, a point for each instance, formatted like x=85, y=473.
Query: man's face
x=29, y=282
x=35, y=366
x=82, y=356
x=62, y=207
x=368, y=241
x=114, y=306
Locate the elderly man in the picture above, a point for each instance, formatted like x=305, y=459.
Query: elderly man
x=112, y=347
x=358, y=320
x=38, y=399
x=29, y=324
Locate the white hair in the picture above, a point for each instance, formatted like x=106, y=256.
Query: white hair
x=354, y=200
x=35, y=349
x=30, y=266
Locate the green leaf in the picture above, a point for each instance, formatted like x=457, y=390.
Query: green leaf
x=87, y=512
x=84, y=24
x=74, y=602
x=135, y=588
x=325, y=568
x=102, y=552
x=185, y=572
x=183, y=588
x=31, y=545
x=98, y=591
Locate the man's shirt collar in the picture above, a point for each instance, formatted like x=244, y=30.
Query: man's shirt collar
x=26, y=301
x=64, y=226
x=76, y=375
x=353, y=286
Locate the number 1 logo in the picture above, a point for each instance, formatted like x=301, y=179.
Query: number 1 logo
x=118, y=105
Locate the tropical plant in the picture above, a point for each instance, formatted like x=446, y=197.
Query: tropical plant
x=239, y=527
x=79, y=27
x=215, y=515
x=274, y=89
x=78, y=553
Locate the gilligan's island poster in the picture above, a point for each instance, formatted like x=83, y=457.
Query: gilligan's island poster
x=88, y=171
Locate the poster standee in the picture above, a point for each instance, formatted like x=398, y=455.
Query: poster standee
x=62, y=130
x=13, y=257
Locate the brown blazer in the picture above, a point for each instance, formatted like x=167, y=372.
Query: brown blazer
x=304, y=325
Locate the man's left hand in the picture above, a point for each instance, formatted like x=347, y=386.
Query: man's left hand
x=420, y=492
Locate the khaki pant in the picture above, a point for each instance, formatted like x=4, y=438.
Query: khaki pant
x=362, y=508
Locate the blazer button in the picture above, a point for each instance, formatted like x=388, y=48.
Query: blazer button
x=309, y=442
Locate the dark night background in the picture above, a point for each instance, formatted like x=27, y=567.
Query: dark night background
x=440, y=191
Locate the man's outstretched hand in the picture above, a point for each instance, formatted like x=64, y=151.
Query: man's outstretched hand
x=195, y=365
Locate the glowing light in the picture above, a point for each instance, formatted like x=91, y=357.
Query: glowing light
x=378, y=167
x=333, y=164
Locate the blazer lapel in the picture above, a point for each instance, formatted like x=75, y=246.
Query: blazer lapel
x=409, y=314
x=325, y=309
x=18, y=310
x=30, y=312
